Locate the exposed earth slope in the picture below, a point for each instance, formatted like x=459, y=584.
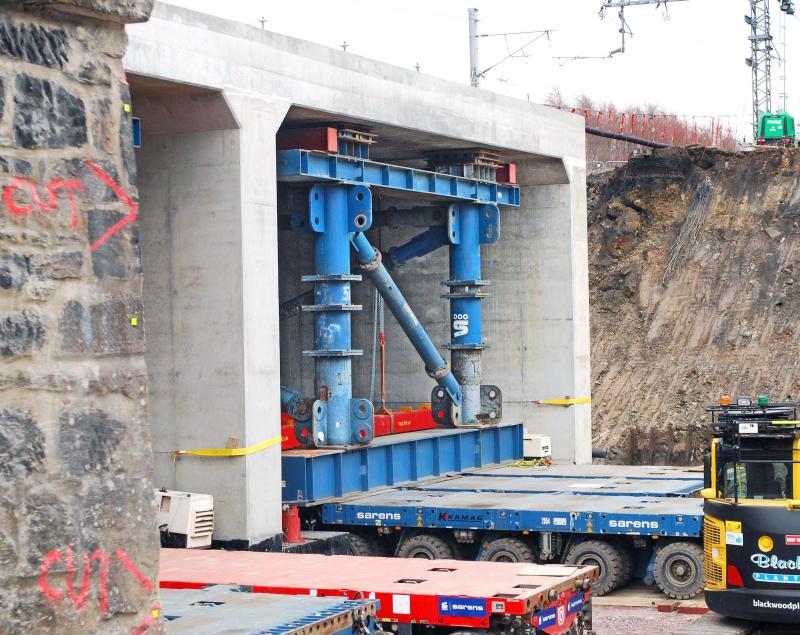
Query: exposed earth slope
x=695, y=292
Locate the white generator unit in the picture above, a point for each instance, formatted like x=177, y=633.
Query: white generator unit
x=536, y=446
x=185, y=519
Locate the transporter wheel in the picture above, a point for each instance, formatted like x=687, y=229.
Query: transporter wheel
x=600, y=554
x=628, y=563
x=425, y=546
x=361, y=545
x=678, y=570
x=507, y=550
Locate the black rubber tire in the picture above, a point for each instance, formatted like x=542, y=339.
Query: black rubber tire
x=361, y=545
x=507, y=550
x=628, y=563
x=603, y=554
x=678, y=570
x=425, y=546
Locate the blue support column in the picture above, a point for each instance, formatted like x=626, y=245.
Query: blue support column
x=335, y=211
x=469, y=226
x=370, y=260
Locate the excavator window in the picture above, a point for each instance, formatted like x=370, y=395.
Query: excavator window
x=759, y=481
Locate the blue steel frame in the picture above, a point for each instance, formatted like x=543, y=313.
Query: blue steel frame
x=342, y=209
x=309, y=165
x=313, y=476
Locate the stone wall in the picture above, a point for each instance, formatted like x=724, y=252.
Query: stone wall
x=78, y=543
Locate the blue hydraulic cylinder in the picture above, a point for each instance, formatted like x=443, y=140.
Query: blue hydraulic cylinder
x=466, y=340
x=421, y=245
x=295, y=405
x=435, y=365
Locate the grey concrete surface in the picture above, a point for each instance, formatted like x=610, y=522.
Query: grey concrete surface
x=536, y=320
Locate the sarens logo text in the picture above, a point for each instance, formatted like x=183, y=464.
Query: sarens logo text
x=377, y=516
x=634, y=524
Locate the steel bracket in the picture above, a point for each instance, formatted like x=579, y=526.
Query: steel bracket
x=489, y=224
x=316, y=209
x=359, y=208
x=443, y=409
x=491, y=404
x=453, y=225
x=319, y=424
x=362, y=413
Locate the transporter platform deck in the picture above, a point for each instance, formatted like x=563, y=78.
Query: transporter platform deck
x=585, y=499
x=451, y=593
x=226, y=609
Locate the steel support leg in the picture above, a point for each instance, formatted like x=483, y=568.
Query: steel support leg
x=334, y=212
x=435, y=365
x=469, y=226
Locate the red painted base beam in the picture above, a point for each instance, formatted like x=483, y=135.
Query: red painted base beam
x=404, y=420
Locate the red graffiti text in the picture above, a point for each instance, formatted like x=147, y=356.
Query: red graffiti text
x=79, y=597
x=23, y=196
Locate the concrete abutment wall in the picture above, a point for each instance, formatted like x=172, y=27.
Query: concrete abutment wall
x=78, y=550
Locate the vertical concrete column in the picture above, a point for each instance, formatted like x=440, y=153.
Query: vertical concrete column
x=552, y=286
x=78, y=546
x=259, y=517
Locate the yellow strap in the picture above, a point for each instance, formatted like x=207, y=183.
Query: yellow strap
x=563, y=402
x=785, y=423
x=232, y=451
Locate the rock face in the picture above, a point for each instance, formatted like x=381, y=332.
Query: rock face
x=694, y=264
x=78, y=541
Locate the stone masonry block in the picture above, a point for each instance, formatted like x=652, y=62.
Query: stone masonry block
x=101, y=329
x=113, y=259
x=34, y=44
x=20, y=333
x=87, y=441
x=119, y=10
x=47, y=115
x=56, y=265
x=21, y=445
x=14, y=270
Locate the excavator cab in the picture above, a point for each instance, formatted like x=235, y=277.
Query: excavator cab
x=751, y=526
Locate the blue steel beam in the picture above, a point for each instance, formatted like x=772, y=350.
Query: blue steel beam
x=307, y=165
x=420, y=245
x=370, y=260
x=311, y=476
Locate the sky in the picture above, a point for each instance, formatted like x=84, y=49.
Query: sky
x=689, y=60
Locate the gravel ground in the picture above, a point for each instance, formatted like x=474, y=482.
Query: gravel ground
x=616, y=620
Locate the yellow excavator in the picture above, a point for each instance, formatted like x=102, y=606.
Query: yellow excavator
x=751, y=529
